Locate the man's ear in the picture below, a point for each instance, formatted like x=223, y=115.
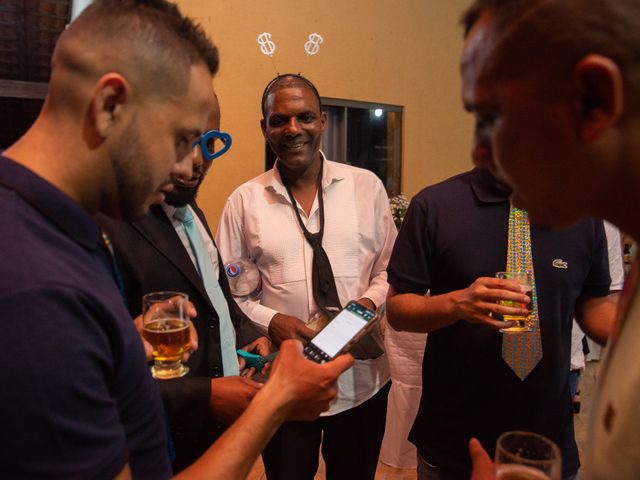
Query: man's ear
x=110, y=95
x=323, y=121
x=601, y=88
x=263, y=126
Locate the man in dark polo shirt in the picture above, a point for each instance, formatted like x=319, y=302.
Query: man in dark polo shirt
x=130, y=91
x=452, y=242
x=78, y=401
x=153, y=254
x=557, y=85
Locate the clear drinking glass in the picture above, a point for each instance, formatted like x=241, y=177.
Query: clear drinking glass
x=166, y=328
x=524, y=323
x=527, y=456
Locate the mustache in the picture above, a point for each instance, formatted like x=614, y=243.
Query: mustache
x=199, y=170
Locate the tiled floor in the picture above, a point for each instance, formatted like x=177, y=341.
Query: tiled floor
x=384, y=472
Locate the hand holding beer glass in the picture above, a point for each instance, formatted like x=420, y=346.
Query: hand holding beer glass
x=166, y=328
x=522, y=323
x=527, y=456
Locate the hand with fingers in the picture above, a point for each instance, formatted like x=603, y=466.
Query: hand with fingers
x=481, y=465
x=262, y=347
x=230, y=396
x=191, y=313
x=480, y=302
x=283, y=327
x=303, y=389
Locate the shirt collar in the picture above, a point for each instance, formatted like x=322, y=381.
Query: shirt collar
x=169, y=210
x=486, y=187
x=330, y=175
x=51, y=202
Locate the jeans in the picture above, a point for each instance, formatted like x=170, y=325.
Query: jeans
x=574, y=377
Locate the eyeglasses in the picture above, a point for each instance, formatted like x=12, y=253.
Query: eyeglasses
x=207, y=143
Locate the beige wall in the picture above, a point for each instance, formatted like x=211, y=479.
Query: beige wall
x=402, y=52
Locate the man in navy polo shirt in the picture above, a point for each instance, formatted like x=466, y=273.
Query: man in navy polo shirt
x=78, y=401
x=452, y=242
x=556, y=84
x=130, y=91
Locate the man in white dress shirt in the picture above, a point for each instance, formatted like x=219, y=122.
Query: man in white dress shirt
x=259, y=223
x=616, y=272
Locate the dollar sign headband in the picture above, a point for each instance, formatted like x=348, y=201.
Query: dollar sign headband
x=268, y=46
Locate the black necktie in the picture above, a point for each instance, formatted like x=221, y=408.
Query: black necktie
x=323, y=282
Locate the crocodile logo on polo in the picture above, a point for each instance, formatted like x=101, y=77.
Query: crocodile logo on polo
x=559, y=263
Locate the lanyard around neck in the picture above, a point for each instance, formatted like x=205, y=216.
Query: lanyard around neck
x=312, y=238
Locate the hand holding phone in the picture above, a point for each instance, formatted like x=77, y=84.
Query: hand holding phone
x=348, y=326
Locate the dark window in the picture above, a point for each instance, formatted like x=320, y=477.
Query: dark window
x=29, y=30
x=366, y=135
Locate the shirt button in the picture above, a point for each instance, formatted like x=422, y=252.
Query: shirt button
x=212, y=326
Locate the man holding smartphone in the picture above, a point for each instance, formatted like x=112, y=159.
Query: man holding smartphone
x=78, y=400
x=321, y=234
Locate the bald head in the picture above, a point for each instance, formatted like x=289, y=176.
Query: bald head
x=554, y=89
x=555, y=35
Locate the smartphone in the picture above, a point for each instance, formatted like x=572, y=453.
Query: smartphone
x=347, y=326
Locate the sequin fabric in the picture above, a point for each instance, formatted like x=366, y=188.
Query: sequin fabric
x=523, y=350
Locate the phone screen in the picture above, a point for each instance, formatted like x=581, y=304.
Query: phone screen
x=341, y=330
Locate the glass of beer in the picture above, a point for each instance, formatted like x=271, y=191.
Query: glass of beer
x=524, y=323
x=166, y=328
x=527, y=456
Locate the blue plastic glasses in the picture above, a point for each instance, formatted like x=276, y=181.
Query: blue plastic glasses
x=207, y=144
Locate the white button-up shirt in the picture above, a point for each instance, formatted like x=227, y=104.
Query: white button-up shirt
x=258, y=222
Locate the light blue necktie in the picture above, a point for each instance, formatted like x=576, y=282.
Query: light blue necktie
x=210, y=280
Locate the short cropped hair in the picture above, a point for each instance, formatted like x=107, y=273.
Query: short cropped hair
x=535, y=33
x=288, y=80
x=149, y=41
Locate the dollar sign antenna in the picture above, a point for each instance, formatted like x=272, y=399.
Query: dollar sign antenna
x=266, y=45
x=313, y=45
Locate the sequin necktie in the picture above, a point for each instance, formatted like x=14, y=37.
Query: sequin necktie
x=523, y=350
x=212, y=286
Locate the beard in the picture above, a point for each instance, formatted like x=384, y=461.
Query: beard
x=134, y=184
x=180, y=196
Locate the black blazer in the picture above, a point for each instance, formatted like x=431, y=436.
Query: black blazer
x=151, y=258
